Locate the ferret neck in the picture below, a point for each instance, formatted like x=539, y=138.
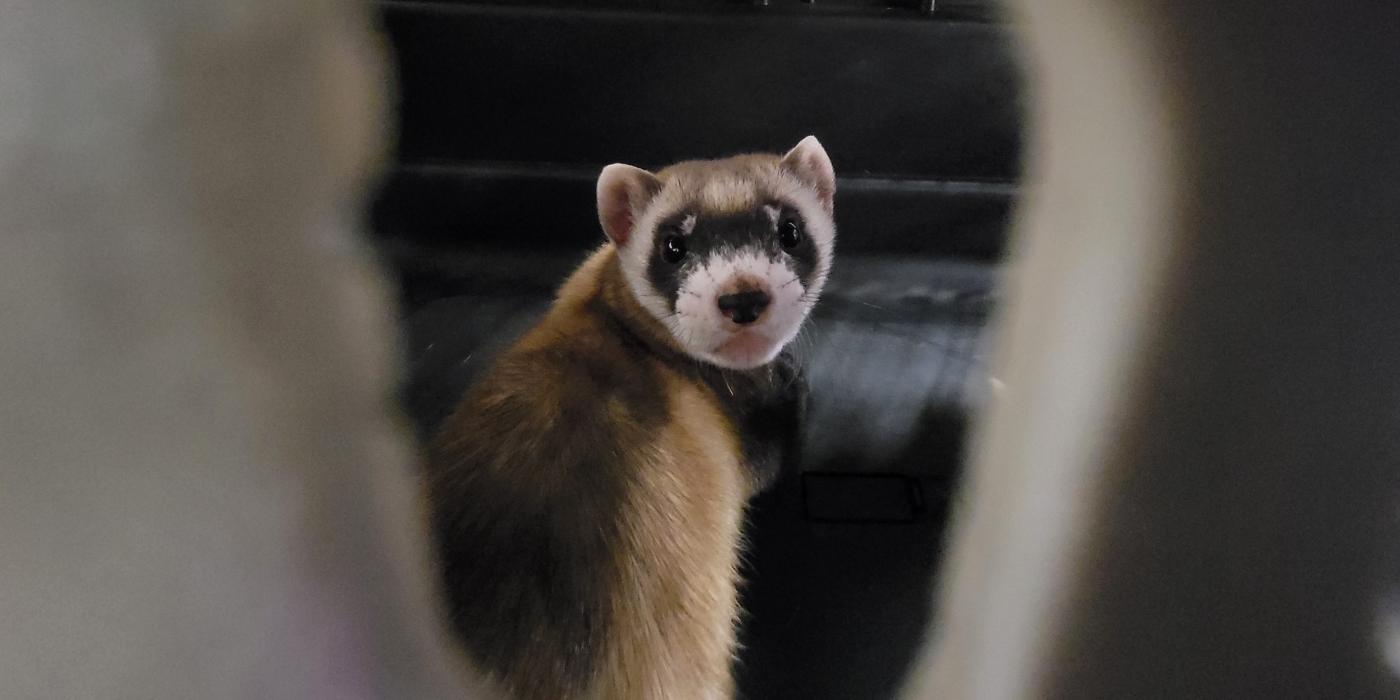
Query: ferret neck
x=622, y=310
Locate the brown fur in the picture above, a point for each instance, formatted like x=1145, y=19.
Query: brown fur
x=572, y=573
x=725, y=186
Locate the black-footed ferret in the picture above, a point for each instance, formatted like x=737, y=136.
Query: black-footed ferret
x=587, y=493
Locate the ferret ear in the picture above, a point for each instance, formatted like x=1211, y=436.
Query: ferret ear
x=623, y=192
x=809, y=162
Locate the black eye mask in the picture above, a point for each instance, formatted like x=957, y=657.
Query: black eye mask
x=677, y=255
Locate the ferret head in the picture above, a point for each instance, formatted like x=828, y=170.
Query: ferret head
x=729, y=255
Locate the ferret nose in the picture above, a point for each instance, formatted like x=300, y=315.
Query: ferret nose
x=744, y=307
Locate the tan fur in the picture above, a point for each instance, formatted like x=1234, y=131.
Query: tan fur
x=674, y=601
x=725, y=186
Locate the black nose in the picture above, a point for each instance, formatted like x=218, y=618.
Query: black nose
x=744, y=307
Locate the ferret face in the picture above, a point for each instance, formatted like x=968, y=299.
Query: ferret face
x=729, y=255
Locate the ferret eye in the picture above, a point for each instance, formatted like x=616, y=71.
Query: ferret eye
x=673, y=249
x=789, y=234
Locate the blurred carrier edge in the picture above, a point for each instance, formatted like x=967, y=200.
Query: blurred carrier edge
x=508, y=110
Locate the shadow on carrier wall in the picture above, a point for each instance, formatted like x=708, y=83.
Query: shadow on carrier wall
x=509, y=111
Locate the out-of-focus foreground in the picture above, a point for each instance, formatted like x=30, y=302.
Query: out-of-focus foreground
x=1189, y=489
x=202, y=494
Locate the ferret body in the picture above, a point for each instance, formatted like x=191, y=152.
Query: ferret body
x=587, y=494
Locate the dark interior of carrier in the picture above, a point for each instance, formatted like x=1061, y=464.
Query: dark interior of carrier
x=509, y=109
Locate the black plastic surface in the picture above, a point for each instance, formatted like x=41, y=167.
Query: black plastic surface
x=889, y=97
x=965, y=10
x=829, y=497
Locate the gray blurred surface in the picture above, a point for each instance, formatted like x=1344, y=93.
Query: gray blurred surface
x=201, y=491
x=1191, y=489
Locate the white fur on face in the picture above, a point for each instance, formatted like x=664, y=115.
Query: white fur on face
x=696, y=322
x=705, y=333
x=636, y=255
